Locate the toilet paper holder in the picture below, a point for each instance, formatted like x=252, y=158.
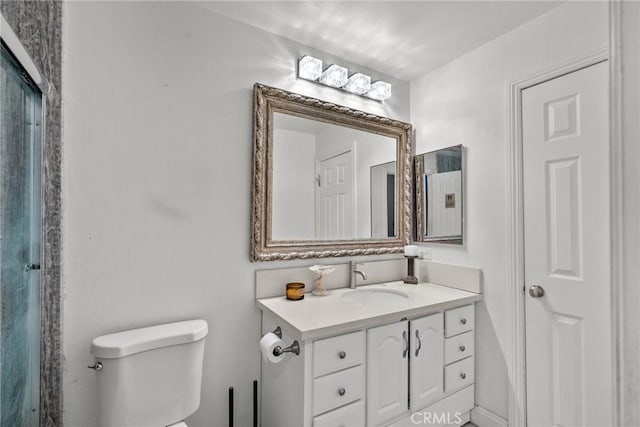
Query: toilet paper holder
x=293, y=348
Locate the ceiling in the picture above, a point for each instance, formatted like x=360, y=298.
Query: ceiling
x=404, y=39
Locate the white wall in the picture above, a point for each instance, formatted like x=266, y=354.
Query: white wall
x=293, y=185
x=156, y=192
x=466, y=102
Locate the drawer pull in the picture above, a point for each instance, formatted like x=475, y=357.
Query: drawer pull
x=462, y=348
x=463, y=321
x=419, y=343
x=463, y=375
x=342, y=354
x=341, y=391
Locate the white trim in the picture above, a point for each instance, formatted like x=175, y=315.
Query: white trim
x=483, y=417
x=13, y=43
x=515, y=297
x=616, y=183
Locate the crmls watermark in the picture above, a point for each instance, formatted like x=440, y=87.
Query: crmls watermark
x=437, y=418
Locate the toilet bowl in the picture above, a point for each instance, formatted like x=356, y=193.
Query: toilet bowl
x=150, y=376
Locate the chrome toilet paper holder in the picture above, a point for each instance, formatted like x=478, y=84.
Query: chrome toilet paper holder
x=293, y=348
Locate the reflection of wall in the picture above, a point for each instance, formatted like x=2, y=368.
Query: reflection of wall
x=443, y=220
x=465, y=102
x=379, y=199
x=293, y=185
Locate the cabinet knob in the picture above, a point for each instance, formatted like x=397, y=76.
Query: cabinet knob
x=342, y=354
x=463, y=375
x=341, y=391
x=462, y=348
x=463, y=321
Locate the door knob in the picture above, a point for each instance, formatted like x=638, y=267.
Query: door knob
x=536, y=291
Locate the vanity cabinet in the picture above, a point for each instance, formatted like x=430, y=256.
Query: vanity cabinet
x=427, y=359
x=395, y=374
x=404, y=373
x=387, y=372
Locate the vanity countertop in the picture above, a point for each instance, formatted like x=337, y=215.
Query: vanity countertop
x=341, y=310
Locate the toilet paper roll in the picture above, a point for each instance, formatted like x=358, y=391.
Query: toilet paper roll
x=267, y=344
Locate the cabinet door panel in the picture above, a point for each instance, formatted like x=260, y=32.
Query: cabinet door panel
x=427, y=360
x=387, y=373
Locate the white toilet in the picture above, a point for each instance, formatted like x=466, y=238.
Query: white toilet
x=150, y=376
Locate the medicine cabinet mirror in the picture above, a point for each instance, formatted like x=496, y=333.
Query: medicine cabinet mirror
x=328, y=180
x=439, y=192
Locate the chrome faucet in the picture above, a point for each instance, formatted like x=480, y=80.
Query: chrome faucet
x=354, y=271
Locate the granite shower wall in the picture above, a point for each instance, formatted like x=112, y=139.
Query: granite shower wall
x=38, y=24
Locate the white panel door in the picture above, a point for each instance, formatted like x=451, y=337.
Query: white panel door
x=334, y=209
x=427, y=360
x=387, y=373
x=566, y=228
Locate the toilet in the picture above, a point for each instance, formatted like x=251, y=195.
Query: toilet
x=150, y=376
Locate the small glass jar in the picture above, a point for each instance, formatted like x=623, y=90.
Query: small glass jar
x=295, y=291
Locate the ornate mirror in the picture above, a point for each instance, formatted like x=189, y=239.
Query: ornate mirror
x=328, y=180
x=438, y=210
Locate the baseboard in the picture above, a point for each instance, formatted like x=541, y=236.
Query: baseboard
x=485, y=418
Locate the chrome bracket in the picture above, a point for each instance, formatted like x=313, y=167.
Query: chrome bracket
x=293, y=348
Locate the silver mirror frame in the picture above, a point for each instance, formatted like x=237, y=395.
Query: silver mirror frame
x=419, y=231
x=268, y=100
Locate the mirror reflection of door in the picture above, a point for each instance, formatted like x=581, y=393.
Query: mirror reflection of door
x=322, y=186
x=443, y=195
x=439, y=208
x=334, y=200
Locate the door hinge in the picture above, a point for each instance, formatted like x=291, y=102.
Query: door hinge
x=30, y=267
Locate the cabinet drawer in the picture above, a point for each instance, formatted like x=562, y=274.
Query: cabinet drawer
x=338, y=389
x=458, y=347
x=336, y=353
x=458, y=375
x=458, y=320
x=351, y=415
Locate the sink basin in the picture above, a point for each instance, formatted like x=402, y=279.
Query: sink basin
x=375, y=295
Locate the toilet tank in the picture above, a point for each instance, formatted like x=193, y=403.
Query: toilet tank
x=150, y=376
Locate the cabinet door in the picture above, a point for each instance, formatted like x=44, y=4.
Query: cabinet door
x=387, y=372
x=427, y=360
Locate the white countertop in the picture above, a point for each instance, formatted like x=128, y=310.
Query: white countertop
x=320, y=316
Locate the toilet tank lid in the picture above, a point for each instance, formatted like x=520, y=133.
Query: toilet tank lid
x=125, y=343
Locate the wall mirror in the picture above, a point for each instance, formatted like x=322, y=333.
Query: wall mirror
x=438, y=185
x=328, y=181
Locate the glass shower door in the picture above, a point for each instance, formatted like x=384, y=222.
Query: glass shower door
x=20, y=244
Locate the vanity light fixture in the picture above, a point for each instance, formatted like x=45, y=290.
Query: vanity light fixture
x=358, y=83
x=334, y=76
x=379, y=90
x=310, y=68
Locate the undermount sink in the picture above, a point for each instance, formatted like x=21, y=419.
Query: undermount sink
x=375, y=295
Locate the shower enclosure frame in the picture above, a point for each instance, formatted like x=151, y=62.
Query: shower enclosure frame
x=36, y=54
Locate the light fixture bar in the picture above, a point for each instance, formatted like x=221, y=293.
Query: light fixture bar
x=310, y=68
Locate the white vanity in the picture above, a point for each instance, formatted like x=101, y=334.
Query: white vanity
x=383, y=355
